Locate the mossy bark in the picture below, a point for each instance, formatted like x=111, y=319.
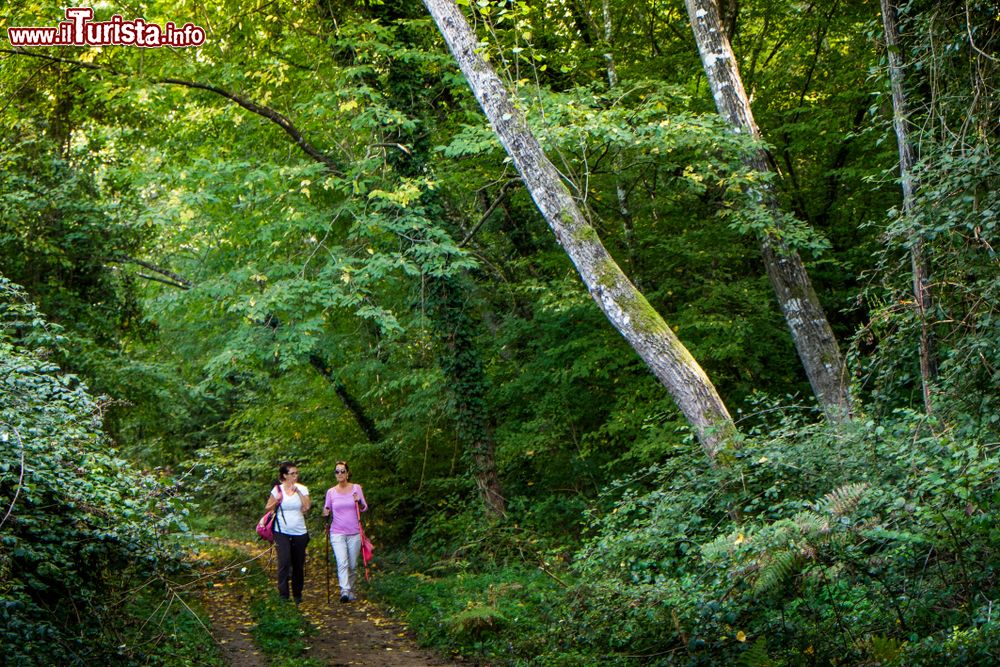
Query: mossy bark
x=811, y=332
x=622, y=303
x=462, y=365
x=919, y=267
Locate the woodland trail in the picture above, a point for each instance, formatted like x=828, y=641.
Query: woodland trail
x=357, y=633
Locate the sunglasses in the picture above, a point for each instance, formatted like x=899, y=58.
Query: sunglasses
x=340, y=471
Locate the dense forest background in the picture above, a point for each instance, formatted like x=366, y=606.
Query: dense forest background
x=304, y=240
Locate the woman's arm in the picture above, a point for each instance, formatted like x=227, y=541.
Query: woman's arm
x=327, y=503
x=306, y=501
x=272, y=502
x=359, y=495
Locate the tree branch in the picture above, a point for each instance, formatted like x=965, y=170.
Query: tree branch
x=496, y=202
x=20, y=478
x=272, y=115
x=34, y=54
x=165, y=282
x=180, y=280
x=275, y=117
x=363, y=420
x=393, y=145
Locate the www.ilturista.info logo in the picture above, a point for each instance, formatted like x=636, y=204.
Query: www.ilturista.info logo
x=79, y=30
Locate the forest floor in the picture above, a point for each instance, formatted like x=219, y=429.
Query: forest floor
x=356, y=633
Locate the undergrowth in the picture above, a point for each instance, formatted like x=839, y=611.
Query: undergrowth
x=869, y=544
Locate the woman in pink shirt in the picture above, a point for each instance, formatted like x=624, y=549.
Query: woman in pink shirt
x=343, y=501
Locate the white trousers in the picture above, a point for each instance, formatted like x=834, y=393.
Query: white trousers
x=346, y=549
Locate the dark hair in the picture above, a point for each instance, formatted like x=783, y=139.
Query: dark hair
x=346, y=467
x=283, y=469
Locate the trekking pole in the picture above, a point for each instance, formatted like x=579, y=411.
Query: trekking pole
x=326, y=558
x=357, y=508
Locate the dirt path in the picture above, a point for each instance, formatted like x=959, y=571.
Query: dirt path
x=357, y=633
x=228, y=607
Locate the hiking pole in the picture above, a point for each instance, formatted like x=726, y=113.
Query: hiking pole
x=357, y=508
x=326, y=558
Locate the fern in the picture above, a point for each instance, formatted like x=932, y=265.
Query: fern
x=779, y=568
x=756, y=656
x=844, y=500
x=810, y=524
x=723, y=547
x=476, y=619
x=884, y=649
x=783, y=549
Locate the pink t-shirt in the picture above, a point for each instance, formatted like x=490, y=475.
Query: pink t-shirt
x=345, y=517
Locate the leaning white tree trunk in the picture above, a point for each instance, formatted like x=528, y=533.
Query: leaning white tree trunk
x=918, y=263
x=623, y=304
x=811, y=332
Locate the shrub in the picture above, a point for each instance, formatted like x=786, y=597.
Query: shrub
x=79, y=530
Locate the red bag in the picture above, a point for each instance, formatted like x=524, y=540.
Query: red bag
x=265, y=527
x=366, y=548
x=366, y=545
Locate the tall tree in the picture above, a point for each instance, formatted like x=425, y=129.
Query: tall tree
x=466, y=377
x=908, y=181
x=446, y=292
x=628, y=226
x=624, y=305
x=811, y=332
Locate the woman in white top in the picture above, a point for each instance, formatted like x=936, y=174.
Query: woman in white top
x=290, y=533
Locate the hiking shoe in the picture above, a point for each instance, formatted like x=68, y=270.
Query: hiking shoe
x=345, y=598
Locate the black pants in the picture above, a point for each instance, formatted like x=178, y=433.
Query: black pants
x=291, y=561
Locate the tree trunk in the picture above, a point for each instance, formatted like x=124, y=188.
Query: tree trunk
x=811, y=332
x=463, y=368
x=628, y=226
x=357, y=411
x=918, y=263
x=626, y=308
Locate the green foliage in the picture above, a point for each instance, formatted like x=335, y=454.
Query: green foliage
x=952, y=217
x=501, y=616
x=80, y=530
x=160, y=633
x=756, y=655
x=960, y=236
x=475, y=621
x=293, y=289
x=958, y=646
x=279, y=629
x=884, y=649
x=810, y=576
x=55, y=238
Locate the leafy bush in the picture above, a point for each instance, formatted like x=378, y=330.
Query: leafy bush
x=869, y=543
x=877, y=548
x=80, y=530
